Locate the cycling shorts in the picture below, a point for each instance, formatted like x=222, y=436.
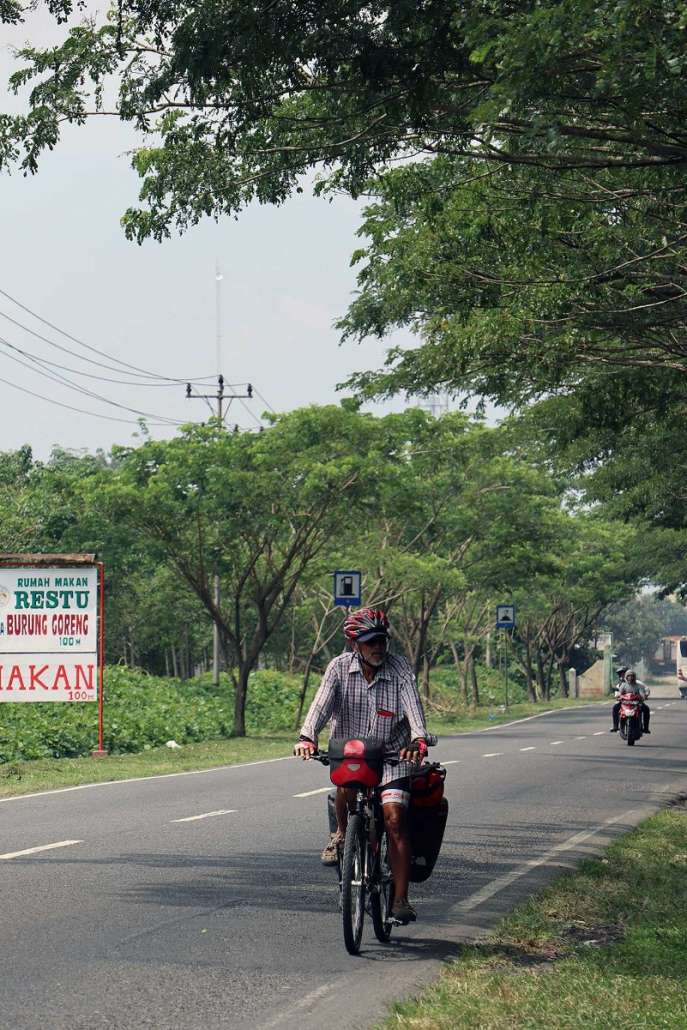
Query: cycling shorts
x=396, y=792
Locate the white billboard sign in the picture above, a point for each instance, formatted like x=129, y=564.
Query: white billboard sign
x=49, y=634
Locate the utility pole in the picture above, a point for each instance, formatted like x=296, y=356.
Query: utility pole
x=220, y=397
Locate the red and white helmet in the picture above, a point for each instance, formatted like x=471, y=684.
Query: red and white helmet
x=365, y=624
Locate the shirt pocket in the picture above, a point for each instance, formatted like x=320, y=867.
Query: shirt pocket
x=385, y=713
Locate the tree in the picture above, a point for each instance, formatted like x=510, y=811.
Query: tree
x=258, y=508
x=240, y=101
x=636, y=628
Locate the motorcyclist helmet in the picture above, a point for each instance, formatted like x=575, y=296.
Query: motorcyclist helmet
x=366, y=624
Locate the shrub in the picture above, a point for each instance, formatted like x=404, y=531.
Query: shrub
x=142, y=712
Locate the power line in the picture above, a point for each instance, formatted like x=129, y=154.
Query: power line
x=260, y=397
x=63, y=381
x=80, y=372
x=86, y=346
x=70, y=407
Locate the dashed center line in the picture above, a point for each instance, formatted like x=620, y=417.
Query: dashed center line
x=310, y=793
x=42, y=847
x=205, y=815
x=528, y=749
x=552, y=742
x=581, y=738
x=452, y=761
x=599, y=733
x=493, y=754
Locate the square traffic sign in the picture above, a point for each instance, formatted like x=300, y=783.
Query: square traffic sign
x=347, y=588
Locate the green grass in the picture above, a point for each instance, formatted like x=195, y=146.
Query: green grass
x=605, y=947
x=49, y=773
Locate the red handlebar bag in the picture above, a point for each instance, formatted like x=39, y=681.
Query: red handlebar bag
x=356, y=763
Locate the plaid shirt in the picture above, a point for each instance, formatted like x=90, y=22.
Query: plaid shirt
x=389, y=708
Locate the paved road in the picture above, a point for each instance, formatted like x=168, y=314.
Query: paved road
x=197, y=900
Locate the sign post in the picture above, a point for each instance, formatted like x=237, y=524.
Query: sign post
x=505, y=621
x=347, y=588
x=52, y=626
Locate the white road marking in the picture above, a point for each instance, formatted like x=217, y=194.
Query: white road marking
x=304, y=1003
x=581, y=738
x=552, y=742
x=599, y=733
x=528, y=749
x=205, y=815
x=452, y=761
x=144, y=779
x=43, y=847
x=309, y=793
x=492, y=754
x=501, y=882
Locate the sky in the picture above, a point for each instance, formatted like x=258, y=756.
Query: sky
x=63, y=255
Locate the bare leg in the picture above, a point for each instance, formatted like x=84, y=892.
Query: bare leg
x=345, y=802
x=399, y=848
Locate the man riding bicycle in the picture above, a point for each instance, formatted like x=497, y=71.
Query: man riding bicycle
x=367, y=692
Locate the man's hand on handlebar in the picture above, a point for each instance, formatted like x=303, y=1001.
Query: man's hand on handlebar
x=415, y=753
x=304, y=749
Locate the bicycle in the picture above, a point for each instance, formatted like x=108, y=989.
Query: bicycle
x=364, y=870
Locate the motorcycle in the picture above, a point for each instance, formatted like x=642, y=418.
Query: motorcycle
x=630, y=724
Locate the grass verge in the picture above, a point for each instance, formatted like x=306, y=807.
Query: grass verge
x=25, y=777
x=49, y=773
x=604, y=947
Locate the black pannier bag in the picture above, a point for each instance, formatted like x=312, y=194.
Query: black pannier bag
x=356, y=762
x=331, y=810
x=427, y=825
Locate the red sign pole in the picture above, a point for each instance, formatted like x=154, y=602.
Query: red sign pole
x=100, y=752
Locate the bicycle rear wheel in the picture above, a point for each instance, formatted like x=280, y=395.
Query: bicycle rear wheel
x=383, y=897
x=353, y=884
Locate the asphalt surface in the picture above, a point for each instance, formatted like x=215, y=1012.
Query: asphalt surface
x=147, y=915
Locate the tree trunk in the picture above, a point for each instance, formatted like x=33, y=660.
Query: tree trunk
x=470, y=669
x=304, y=688
x=240, y=697
x=531, y=690
x=425, y=675
x=487, y=660
x=175, y=663
x=473, y=676
x=563, y=678
x=166, y=663
x=541, y=679
x=548, y=675
x=459, y=673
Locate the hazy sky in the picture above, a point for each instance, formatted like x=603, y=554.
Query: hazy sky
x=286, y=277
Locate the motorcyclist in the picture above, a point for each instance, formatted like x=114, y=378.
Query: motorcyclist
x=368, y=692
x=620, y=673
x=631, y=685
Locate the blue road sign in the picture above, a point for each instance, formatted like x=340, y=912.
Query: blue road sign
x=505, y=616
x=347, y=588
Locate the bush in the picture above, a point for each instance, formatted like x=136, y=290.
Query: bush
x=142, y=712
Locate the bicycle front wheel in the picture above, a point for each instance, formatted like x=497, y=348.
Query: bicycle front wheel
x=353, y=884
x=382, y=898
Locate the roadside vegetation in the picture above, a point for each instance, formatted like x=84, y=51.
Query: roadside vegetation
x=605, y=946
x=45, y=746
x=445, y=518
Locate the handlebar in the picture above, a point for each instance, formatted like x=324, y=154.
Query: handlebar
x=392, y=757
